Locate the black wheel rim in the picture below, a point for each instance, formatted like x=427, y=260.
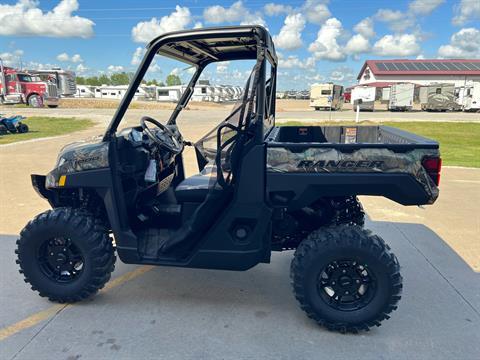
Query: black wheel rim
x=346, y=285
x=61, y=260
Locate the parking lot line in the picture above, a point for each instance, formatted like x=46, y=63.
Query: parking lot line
x=40, y=316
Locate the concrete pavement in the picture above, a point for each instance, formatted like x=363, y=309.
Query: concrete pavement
x=172, y=313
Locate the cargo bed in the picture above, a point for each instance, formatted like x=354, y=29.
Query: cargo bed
x=318, y=161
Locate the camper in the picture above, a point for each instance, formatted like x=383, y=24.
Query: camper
x=438, y=97
x=85, y=91
x=170, y=93
x=472, y=98
x=364, y=97
x=401, y=97
x=326, y=96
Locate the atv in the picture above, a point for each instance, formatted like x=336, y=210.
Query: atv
x=13, y=125
x=259, y=188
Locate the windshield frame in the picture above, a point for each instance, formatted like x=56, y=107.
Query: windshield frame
x=264, y=49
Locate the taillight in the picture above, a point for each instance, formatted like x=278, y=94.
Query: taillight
x=433, y=166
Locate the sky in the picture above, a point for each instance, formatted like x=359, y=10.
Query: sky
x=316, y=40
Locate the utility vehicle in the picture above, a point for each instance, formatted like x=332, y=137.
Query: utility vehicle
x=260, y=188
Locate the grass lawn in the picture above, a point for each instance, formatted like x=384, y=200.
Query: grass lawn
x=459, y=142
x=42, y=126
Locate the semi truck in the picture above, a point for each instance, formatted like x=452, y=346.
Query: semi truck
x=20, y=87
x=64, y=79
x=326, y=96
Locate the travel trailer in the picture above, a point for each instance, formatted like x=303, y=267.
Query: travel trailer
x=170, y=93
x=326, y=96
x=438, y=97
x=117, y=92
x=472, y=98
x=401, y=97
x=364, y=97
x=85, y=91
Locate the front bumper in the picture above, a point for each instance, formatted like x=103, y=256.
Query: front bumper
x=49, y=101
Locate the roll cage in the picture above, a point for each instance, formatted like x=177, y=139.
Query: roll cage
x=201, y=47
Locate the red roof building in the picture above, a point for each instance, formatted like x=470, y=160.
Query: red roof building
x=420, y=71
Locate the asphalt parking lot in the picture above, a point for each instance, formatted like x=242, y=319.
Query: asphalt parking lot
x=170, y=313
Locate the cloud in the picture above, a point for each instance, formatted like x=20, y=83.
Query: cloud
x=292, y=62
x=25, y=18
x=272, y=9
x=11, y=58
x=396, y=20
x=316, y=11
x=463, y=44
x=342, y=74
x=236, y=13
x=357, y=44
x=64, y=57
x=290, y=36
x=137, y=55
x=222, y=67
x=424, y=7
x=146, y=31
x=81, y=69
x=365, y=28
x=326, y=46
x=115, y=68
x=397, y=45
x=466, y=11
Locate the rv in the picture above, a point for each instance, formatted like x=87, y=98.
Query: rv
x=401, y=97
x=117, y=92
x=438, y=97
x=64, y=79
x=170, y=93
x=472, y=98
x=364, y=97
x=326, y=96
x=85, y=91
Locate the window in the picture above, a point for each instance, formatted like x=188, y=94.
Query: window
x=82, y=90
x=438, y=91
x=113, y=94
x=162, y=92
x=104, y=93
x=326, y=92
x=204, y=90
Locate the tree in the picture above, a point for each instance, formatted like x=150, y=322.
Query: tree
x=104, y=80
x=92, y=81
x=119, y=79
x=173, y=80
x=80, y=80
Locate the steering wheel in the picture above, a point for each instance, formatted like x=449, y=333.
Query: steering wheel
x=169, y=141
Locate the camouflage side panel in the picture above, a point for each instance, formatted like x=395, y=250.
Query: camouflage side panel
x=376, y=160
x=80, y=156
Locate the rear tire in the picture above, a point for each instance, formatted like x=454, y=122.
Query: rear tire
x=22, y=128
x=346, y=279
x=65, y=254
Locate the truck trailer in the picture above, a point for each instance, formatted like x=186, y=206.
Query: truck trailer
x=326, y=96
x=401, y=97
x=64, y=79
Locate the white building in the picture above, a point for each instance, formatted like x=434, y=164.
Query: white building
x=420, y=72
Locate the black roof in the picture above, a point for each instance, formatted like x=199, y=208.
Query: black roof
x=206, y=45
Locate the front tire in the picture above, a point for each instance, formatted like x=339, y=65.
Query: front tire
x=346, y=279
x=65, y=254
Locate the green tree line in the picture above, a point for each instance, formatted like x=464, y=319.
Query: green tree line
x=124, y=78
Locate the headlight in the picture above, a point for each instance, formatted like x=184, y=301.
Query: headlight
x=50, y=181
